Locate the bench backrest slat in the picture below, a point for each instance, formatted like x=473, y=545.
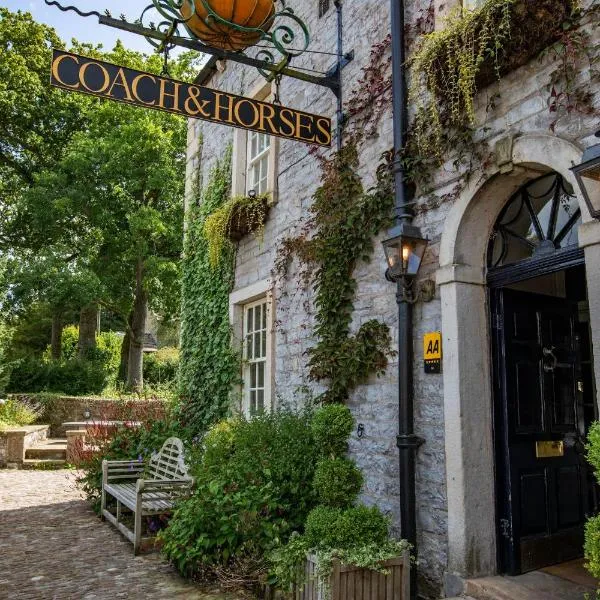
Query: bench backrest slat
x=169, y=462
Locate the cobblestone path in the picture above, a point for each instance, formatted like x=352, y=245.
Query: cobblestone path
x=52, y=546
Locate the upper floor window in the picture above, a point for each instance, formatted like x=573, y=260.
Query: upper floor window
x=255, y=157
x=258, y=162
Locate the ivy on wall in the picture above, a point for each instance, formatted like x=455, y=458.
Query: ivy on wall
x=345, y=218
x=209, y=366
x=474, y=49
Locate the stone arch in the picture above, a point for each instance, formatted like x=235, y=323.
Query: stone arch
x=464, y=239
x=468, y=401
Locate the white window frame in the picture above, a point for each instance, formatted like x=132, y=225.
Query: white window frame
x=255, y=352
x=241, y=184
x=240, y=302
x=261, y=159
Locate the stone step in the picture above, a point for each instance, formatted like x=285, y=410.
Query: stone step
x=52, y=449
x=531, y=586
x=31, y=464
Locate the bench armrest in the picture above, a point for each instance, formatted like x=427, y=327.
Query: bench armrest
x=148, y=485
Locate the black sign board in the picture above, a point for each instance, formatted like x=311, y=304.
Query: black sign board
x=90, y=76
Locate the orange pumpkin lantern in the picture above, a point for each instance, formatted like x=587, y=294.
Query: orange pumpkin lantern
x=257, y=14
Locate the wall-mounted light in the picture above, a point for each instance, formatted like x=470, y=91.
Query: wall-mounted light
x=588, y=177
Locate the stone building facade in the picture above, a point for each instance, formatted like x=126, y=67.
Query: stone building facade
x=457, y=514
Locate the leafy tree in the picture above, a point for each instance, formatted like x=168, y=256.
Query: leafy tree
x=36, y=121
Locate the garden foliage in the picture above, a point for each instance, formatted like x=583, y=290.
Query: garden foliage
x=16, y=412
x=251, y=493
x=209, y=367
x=71, y=375
x=592, y=527
x=337, y=528
x=161, y=367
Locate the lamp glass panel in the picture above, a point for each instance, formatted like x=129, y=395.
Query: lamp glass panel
x=590, y=178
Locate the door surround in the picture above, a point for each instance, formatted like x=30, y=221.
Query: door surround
x=468, y=393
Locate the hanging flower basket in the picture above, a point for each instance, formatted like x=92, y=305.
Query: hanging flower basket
x=534, y=25
x=237, y=218
x=473, y=50
x=229, y=24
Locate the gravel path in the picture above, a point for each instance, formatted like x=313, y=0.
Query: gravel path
x=52, y=546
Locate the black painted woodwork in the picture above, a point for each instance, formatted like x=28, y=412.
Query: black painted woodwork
x=539, y=397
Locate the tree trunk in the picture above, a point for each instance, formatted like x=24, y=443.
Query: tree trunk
x=125, y=351
x=135, y=369
x=88, y=325
x=56, y=339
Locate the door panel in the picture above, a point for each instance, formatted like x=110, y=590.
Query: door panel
x=544, y=497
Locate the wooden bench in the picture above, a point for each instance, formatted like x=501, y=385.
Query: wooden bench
x=145, y=489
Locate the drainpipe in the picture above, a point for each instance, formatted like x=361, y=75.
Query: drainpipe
x=408, y=443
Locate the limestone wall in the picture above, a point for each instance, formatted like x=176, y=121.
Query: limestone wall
x=520, y=106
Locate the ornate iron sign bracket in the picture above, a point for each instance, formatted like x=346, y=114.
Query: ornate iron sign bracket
x=280, y=40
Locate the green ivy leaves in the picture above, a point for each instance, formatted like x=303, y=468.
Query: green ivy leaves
x=209, y=366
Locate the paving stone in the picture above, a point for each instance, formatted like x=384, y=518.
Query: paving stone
x=53, y=546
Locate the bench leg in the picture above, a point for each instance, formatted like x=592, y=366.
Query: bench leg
x=137, y=525
x=104, y=482
x=103, y=506
x=118, y=511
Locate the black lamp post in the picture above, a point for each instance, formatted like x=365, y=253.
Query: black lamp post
x=404, y=252
x=588, y=178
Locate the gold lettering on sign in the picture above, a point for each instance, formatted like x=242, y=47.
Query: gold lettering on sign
x=228, y=108
x=287, y=116
x=264, y=108
x=238, y=114
x=324, y=129
x=123, y=84
x=306, y=126
x=83, y=71
x=86, y=75
x=193, y=96
x=174, y=95
x=134, y=88
x=56, y=67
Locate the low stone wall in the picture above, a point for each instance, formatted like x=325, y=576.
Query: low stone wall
x=15, y=440
x=57, y=410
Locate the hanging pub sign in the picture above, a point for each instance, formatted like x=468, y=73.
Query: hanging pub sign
x=90, y=76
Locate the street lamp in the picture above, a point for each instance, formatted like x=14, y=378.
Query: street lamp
x=404, y=251
x=588, y=178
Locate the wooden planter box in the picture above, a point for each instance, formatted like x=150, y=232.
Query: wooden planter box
x=354, y=583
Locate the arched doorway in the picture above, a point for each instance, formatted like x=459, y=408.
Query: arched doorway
x=544, y=397
x=473, y=526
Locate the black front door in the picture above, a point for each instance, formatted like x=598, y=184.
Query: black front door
x=541, y=470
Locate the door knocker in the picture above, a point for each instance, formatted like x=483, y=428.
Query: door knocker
x=551, y=364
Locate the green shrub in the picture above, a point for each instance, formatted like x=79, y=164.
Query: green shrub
x=593, y=448
x=337, y=482
x=73, y=377
x=592, y=527
x=337, y=528
x=592, y=546
x=250, y=495
x=16, y=412
x=331, y=427
x=161, y=366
